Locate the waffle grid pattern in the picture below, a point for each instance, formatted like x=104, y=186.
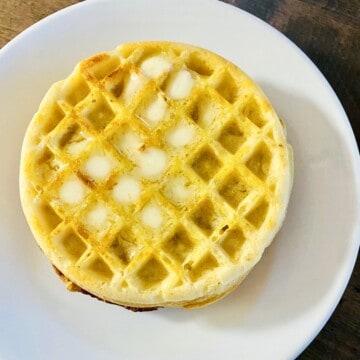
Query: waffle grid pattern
x=228, y=167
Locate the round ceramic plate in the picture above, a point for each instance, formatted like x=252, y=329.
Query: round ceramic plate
x=289, y=296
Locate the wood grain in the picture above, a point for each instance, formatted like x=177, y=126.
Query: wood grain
x=17, y=15
x=328, y=31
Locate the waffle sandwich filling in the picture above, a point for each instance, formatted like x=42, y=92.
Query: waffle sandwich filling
x=155, y=175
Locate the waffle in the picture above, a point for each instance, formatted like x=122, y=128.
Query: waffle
x=155, y=175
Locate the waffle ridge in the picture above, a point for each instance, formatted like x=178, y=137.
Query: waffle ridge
x=184, y=229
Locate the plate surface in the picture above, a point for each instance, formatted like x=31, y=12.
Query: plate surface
x=290, y=294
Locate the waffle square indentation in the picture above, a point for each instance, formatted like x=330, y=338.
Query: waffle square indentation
x=76, y=89
x=197, y=63
x=260, y=161
x=47, y=216
x=204, y=266
x=254, y=113
x=233, y=242
x=179, y=245
x=206, y=164
x=233, y=189
x=231, y=137
x=99, y=113
x=204, y=110
x=124, y=246
x=151, y=273
x=72, y=244
x=71, y=139
x=228, y=88
x=205, y=217
x=99, y=268
x=257, y=215
x=51, y=118
x=102, y=65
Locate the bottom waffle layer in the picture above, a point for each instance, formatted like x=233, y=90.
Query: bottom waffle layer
x=196, y=304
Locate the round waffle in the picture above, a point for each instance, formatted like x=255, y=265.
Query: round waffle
x=155, y=175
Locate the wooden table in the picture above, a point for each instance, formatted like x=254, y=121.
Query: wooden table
x=329, y=33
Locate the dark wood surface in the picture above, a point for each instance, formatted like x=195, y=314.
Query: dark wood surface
x=328, y=31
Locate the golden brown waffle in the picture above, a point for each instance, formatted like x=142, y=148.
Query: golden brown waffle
x=155, y=175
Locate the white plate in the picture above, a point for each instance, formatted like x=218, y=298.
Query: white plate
x=287, y=298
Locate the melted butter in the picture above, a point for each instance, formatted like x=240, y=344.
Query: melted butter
x=155, y=66
x=133, y=86
x=156, y=110
x=151, y=216
x=179, y=190
x=97, y=217
x=75, y=148
x=130, y=144
x=181, y=135
x=72, y=191
x=152, y=162
x=127, y=190
x=98, y=167
x=180, y=85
